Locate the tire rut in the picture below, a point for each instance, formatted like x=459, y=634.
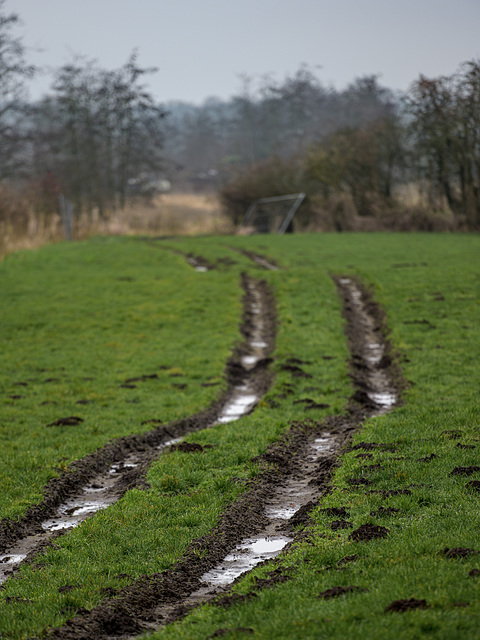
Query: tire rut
x=101, y=478
x=297, y=471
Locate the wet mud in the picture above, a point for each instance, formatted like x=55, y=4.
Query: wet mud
x=101, y=478
x=261, y=523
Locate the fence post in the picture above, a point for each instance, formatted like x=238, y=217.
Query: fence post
x=66, y=213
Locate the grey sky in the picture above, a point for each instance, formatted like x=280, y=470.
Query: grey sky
x=201, y=46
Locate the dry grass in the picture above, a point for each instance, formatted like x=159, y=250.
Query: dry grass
x=168, y=214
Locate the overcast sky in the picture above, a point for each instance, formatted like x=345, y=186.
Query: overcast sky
x=202, y=46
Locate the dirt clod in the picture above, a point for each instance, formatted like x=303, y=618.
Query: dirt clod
x=473, y=484
x=465, y=471
x=399, y=606
x=67, y=588
x=367, y=532
x=428, y=458
x=459, y=552
x=334, y=592
x=69, y=421
x=453, y=434
x=459, y=445
x=474, y=573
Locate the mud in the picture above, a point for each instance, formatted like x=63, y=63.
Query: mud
x=465, y=471
x=367, y=532
x=261, y=260
x=400, y=606
x=100, y=479
x=459, y=552
x=296, y=472
x=334, y=592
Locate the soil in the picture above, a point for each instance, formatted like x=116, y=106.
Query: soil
x=367, y=532
x=428, y=458
x=399, y=606
x=465, y=471
x=459, y=552
x=154, y=600
x=334, y=592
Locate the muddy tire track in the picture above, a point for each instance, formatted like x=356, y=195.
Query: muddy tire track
x=297, y=469
x=102, y=477
x=262, y=261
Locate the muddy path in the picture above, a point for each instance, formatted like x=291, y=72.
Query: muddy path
x=296, y=472
x=101, y=478
x=265, y=262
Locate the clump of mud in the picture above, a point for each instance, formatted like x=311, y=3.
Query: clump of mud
x=465, y=471
x=428, y=458
x=459, y=552
x=334, y=592
x=400, y=606
x=367, y=532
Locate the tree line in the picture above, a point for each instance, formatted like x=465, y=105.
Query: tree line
x=100, y=137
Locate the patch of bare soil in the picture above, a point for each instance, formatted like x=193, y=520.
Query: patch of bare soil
x=465, y=471
x=367, y=532
x=400, y=606
x=297, y=468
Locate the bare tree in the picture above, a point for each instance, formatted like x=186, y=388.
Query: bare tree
x=14, y=71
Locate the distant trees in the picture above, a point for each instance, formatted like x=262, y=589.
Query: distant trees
x=99, y=136
x=97, y=131
x=445, y=133
x=13, y=72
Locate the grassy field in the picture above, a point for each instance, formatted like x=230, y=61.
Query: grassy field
x=78, y=320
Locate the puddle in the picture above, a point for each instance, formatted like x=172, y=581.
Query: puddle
x=244, y=558
x=249, y=361
x=12, y=559
x=71, y=513
x=383, y=399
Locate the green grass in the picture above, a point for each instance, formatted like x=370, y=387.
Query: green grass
x=66, y=306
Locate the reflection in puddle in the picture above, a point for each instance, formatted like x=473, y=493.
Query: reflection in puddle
x=12, y=559
x=245, y=557
x=72, y=513
x=383, y=399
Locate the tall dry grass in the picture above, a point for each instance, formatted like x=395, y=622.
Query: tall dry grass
x=22, y=227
